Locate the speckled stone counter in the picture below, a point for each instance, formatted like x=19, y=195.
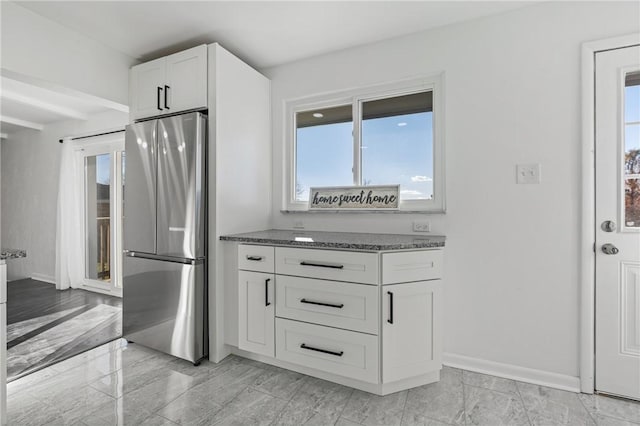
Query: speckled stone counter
x=6, y=254
x=338, y=240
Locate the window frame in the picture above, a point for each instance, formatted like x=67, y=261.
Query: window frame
x=356, y=98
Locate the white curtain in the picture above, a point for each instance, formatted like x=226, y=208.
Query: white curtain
x=69, y=224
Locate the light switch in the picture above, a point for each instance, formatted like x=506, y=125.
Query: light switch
x=528, y=173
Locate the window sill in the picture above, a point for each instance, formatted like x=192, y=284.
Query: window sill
x=362, y=212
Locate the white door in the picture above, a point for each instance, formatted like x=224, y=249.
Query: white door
x=101, y=186
x=146, y=95
x=186, y=82
x=411, y=329
x=256, y=311
x=617, y=246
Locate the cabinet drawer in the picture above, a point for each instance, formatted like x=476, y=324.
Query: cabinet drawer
x=255, y=258
x=341, y=352
x=410, y=266
x=336, y=304
x=328, y=264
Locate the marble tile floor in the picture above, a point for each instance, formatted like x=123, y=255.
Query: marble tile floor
x=46, y=326
x=126, y=384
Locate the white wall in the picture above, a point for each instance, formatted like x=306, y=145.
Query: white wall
x=512, y=96
x=30, y=174
x=38, y=47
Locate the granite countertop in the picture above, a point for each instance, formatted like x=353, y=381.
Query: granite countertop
x=338, y=240
x=6, y=253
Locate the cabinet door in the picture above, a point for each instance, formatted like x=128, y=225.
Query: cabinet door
x=186, y=82
x=411, y=329
x=256, y=320
x=146, y=92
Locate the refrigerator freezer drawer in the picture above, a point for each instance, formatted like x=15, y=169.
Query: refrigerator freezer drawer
x=164, y=306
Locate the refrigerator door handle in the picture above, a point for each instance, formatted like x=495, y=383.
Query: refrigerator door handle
x=150, y=256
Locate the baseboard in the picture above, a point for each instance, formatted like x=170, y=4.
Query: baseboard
x=44, y=278
x=514, y=372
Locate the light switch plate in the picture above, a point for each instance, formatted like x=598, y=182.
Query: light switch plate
x=528, y=173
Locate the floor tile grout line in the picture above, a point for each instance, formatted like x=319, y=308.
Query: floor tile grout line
x=595, y=422
x=464, y=398
x=526, y=410
x=404, y=407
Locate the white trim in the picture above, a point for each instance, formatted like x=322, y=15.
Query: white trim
x=587, y=241
x=43, y=277
x=513, y=372
x=355, y=96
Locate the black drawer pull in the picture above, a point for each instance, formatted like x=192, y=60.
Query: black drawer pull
x=331, y=305
x=322, y=265
x=390, y=320
x=166, y=94
x=266, y=292
x=324, y=351
x=255, y=258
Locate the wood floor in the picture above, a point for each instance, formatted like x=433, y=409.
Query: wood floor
x=45, y=326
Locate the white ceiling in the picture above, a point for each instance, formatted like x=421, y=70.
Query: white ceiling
x=263, y=33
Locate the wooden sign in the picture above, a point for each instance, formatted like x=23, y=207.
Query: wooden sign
x=376, y=197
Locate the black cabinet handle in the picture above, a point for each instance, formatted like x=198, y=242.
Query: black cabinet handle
x=266, y=292
x=390, y=320
x=158, y=97
x=331, y=305
x=324, y=351
x=255, y=258
x=166, y=94
x=322, y=265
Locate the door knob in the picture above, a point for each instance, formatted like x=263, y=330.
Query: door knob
x=608, y=226
x=609, y=249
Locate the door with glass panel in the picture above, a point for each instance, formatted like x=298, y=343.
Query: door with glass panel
x=103, y=189
x=617, y=245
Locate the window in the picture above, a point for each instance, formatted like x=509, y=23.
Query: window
x=632, y=151
x=378, y=136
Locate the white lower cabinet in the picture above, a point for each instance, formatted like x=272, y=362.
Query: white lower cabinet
x=256, y=328
x=377, y=333
x=411, y=329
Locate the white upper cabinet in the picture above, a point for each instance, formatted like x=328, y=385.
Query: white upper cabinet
x=171, y=84
x=186, y=86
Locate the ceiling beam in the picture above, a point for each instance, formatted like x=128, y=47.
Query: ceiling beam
x=21, y=123
x=42, y=105
x=85, y=97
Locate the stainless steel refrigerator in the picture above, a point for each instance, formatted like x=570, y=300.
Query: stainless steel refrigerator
x=165, y=236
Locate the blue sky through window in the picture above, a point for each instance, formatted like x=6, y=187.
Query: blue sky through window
x=395, y=150
x=632, y=115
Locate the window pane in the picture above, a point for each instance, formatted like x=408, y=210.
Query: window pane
x=397, y=144
x=324, y=149
x=97, y=214
x=632, y=150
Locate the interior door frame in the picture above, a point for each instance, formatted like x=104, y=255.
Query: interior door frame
x=588, y=217
x=110, y=144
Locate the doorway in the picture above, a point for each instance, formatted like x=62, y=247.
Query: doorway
x=617, y=222
x=102, y=189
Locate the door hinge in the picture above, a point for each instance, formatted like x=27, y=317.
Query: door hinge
x=594, y=247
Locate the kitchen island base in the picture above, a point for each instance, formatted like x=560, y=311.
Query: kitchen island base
x=377, y=389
